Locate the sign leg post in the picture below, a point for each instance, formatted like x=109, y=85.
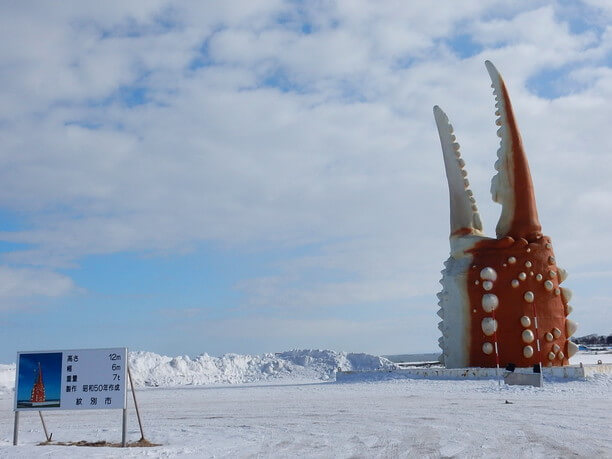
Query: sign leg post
x=124, y=429
x=44, y=426
x=142, y=437
x=16, y=429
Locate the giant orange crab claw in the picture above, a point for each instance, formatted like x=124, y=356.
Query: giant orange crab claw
x=501, y=300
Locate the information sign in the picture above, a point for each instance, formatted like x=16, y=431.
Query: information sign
x=77, y=379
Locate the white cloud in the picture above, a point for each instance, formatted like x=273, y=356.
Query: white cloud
x=21, y=284
x=343, y=155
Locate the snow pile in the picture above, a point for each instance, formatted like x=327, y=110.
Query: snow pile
x=7, y=377
x=149, y=369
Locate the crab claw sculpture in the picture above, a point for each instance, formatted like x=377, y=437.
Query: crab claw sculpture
x=501, y=300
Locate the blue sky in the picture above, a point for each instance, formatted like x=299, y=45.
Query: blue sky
x=256, y=176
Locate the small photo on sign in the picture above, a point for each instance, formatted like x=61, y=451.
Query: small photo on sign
x=39, y=380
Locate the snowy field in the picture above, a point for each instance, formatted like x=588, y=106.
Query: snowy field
x=294, y=408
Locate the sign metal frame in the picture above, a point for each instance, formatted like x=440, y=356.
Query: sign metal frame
x=72, y=375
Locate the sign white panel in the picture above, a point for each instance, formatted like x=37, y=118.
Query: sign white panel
x=77, y=379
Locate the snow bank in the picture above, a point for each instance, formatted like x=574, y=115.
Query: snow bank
x=149, y=369
x=7, y=377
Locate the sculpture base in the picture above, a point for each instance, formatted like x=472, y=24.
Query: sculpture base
x=570, y=372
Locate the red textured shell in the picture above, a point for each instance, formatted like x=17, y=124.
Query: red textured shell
x=532, y=259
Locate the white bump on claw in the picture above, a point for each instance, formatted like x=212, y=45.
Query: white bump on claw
x=548, y=285
x=515, y=283
x=511, y=260
x=476, y=282
x=572, y=348
x=525, y=321
x=557, y=291
x=548, y=337
x=488, y=273
x=551, y=355
x=552, y=274
x=489, y=326
x=527, y=336
x=567, y=294
x=487, y=348
x=551, y=260
x=562, y=274
x=528, y=264
x=539, y=277
x=560, y=355
x=522, y=276
x=556, y=348
x=570, y=327
x=527, y=352
x=487, y=285
x=529, y=297
x=489, y=302
x=548, y=245
x=556, y=333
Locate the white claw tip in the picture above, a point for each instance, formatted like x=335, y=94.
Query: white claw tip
x=567, y=294
x=572, y=348
x=570, y=327
x=493, y=73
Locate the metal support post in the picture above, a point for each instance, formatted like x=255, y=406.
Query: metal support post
x=142, y=437
x=16, y=429
x=47, y=436
x=124, y=429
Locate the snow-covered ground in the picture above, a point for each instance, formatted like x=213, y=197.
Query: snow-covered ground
x=278, y=414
